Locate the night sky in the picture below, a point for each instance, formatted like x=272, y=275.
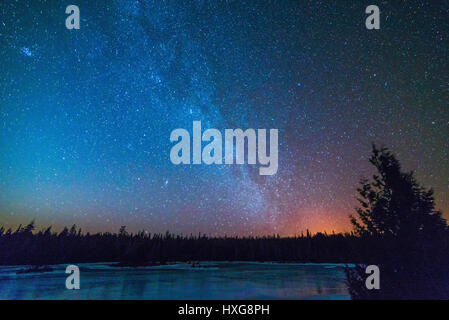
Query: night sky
x=86, y=115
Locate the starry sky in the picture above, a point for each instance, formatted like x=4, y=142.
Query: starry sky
x=86, y=115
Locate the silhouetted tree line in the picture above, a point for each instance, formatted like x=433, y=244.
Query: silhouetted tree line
x=26, y=246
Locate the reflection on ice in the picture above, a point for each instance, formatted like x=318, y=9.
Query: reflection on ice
x=205, y=280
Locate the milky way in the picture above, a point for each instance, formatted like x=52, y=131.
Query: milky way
x=86, y=115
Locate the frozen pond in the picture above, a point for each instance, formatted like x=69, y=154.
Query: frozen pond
x=212, y=280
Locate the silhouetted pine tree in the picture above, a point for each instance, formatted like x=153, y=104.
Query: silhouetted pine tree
x=403, y=234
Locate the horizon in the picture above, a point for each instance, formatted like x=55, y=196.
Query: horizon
x=58, y=228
